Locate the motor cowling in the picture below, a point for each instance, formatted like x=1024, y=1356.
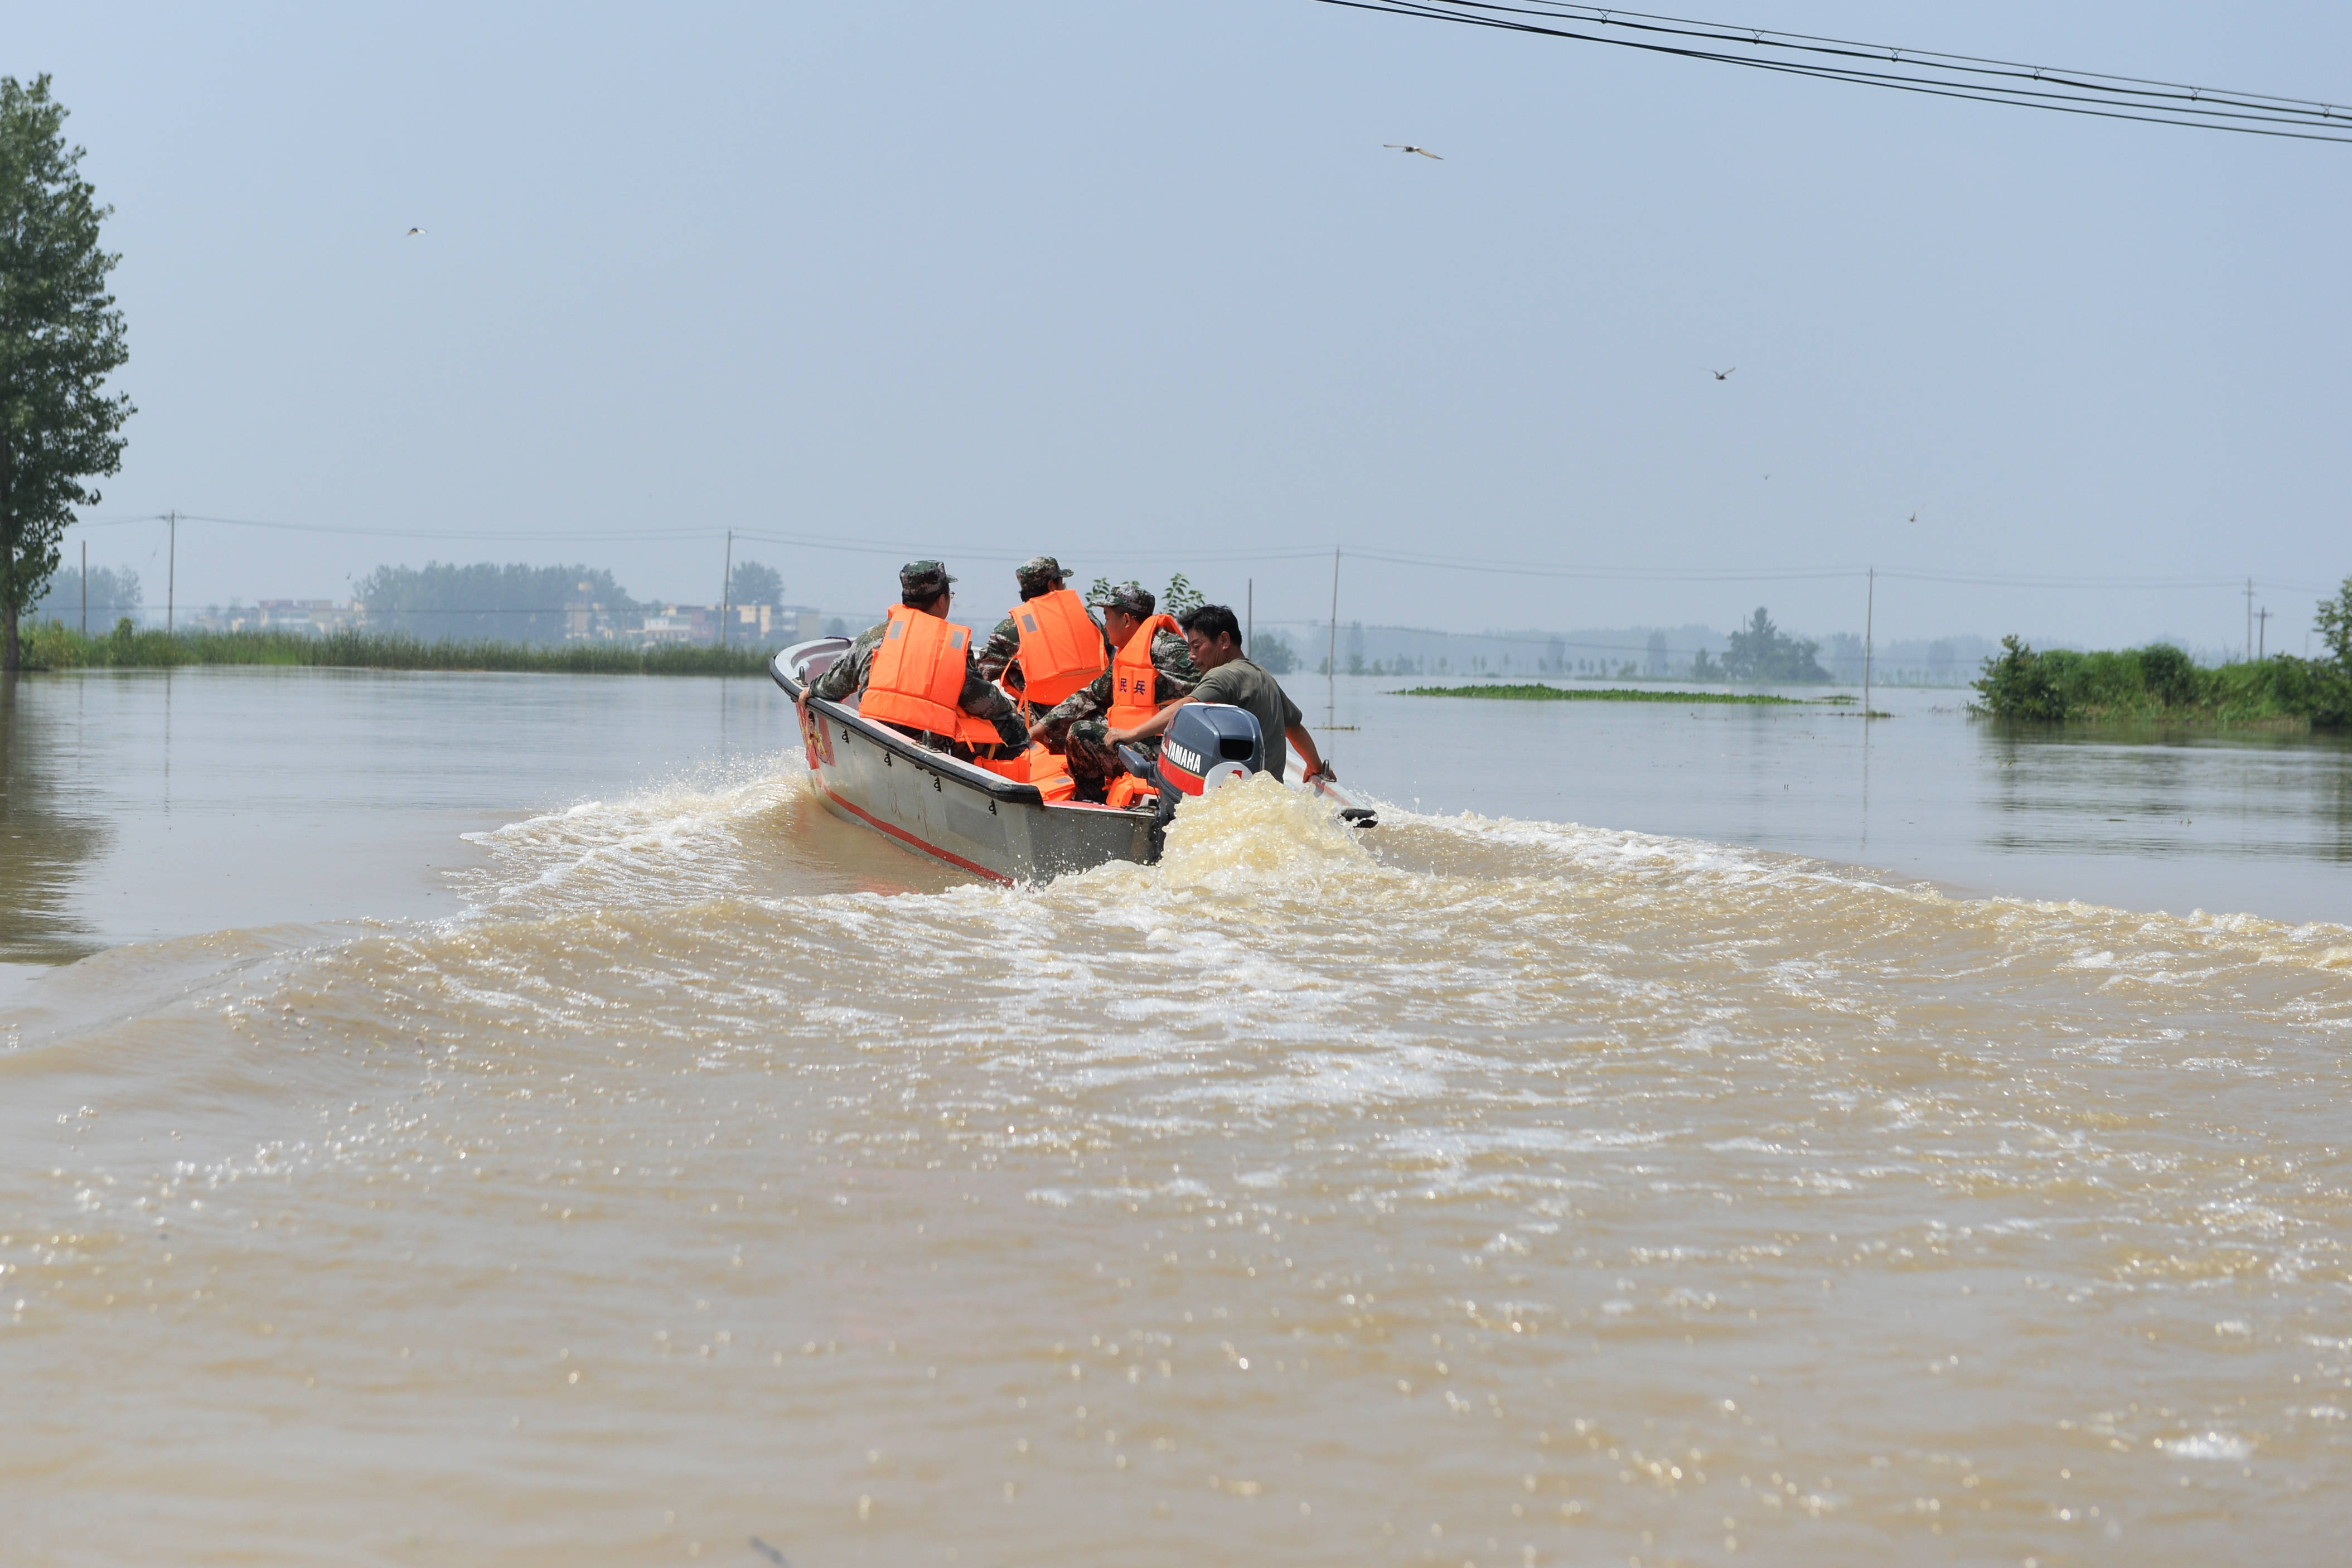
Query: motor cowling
x=1208, y=744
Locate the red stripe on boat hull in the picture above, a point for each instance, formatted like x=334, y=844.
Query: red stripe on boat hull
x=906, y=838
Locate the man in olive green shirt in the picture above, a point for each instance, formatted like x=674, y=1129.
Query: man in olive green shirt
x=1214, y=636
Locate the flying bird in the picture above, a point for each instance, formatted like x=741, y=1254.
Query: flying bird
x=411, y=234
x=1721, y=375
x=1402, y=147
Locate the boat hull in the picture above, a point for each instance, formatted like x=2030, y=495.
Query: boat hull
x=932, y=803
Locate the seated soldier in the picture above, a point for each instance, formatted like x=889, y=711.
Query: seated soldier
x=1152, y=667
x=998, y=658
x=914, y=672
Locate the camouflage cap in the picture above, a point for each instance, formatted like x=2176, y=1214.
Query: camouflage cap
x=920, y=581
x=1136, y=601
x=1037, y=574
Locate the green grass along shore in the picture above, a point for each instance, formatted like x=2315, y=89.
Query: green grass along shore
x=53, y=647
x=2157, y=684
x=2160, y=684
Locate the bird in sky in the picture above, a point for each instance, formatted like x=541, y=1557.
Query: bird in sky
x=411, y=234
x=1721, y=375
x=1402, y=147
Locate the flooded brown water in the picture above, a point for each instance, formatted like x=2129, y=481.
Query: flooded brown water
x=611, y=1158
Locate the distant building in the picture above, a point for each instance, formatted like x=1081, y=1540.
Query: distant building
x=673, y=623
x=586, y=618
x=300, y=617
x=780, y=624
x=748, y=624
x=306, y=618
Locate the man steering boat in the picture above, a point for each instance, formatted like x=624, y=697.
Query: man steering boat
x=1213, y=634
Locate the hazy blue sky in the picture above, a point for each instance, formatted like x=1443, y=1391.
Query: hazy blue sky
x=1120, y=279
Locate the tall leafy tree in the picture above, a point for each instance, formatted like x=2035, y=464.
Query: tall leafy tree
x=1762, y=651
x=61, y=338
x=1273, y=654
x=2333, y=620
x=753, y=583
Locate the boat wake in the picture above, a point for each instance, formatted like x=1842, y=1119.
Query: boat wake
x=719, y=1127
x=684, y=840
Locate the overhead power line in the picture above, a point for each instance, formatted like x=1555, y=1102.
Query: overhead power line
x=1181, y=556
x=862, y=545
x=1933, y=72
x=365, y=531
x=1793, y=573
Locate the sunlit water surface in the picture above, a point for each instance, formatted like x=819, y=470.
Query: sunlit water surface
x=665, y=1164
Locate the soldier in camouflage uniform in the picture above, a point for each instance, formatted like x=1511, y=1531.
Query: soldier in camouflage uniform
x=922, y=584
x=1038, y=574
x=1076, y=727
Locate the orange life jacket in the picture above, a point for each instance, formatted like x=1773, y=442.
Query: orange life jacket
x=1061, y=647
x=976, y=731
x=1134, y=679
x=1049, y=771
x=917, y=674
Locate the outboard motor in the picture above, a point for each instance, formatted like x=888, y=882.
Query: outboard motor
x=1207, y=744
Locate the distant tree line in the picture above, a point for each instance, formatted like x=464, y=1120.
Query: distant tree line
x=113, y=593
x=517, y=601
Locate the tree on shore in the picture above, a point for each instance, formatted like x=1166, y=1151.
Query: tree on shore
x=61, y=337
x=753, y=583
x=1271, y=653
x=1762, y=651
x=2333, y=621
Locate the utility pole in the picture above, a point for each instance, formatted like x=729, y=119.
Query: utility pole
x=726, y=587
x=1869, y=616
x=1249, y=616
x=172, y=572
x=1331, y=658
x=85, y=587
x=2262, y=633
x=2250, y=617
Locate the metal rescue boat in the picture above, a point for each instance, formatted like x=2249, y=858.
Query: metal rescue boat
x=950, y=810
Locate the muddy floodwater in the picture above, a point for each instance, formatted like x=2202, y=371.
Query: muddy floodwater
x=506, y=1120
